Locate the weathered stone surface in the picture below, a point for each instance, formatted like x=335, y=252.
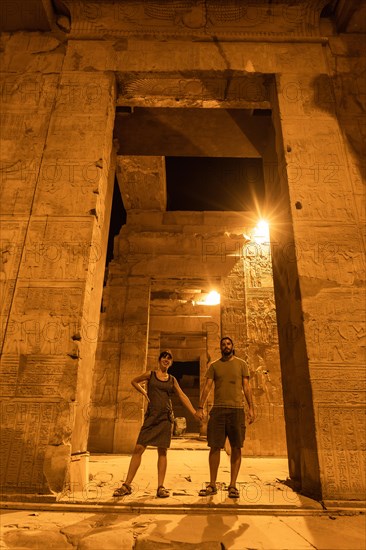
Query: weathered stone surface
x=142, y=182
x=56, y=464
x=107, y=538
x=74, y=533
x=50, y=314
x=34, y=52
x=234, y=19
x=36, y=538
x=139, y=56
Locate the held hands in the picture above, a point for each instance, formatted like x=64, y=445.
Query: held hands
x=251, y=415
x=199, y=414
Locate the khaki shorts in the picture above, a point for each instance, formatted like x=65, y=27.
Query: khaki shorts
x=225, y=422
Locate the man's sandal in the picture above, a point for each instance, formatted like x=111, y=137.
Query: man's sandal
x=232, y=492
x=162, y=492
x=122, y=491
x=210, y=490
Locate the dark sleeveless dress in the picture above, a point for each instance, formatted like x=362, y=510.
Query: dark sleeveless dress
x=157, y=427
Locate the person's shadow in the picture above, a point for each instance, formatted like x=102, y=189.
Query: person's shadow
x=208, y=528
x=223, y=531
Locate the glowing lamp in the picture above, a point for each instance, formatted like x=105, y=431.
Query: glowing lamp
x=212, y=298
x=261, y=232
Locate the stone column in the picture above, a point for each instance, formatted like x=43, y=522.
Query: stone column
x=267, y=435
x=233, y=314
x=106, y=368
x=52, y=321
x=134, y=334
x=320, y=292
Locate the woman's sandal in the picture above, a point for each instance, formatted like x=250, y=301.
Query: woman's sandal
x=210, y=490
x=232, y=492
x=122, y=491
x=162, y=492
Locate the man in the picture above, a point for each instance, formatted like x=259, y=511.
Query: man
x=230, y=376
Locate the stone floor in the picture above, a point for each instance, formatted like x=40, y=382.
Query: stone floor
x=267, y=516
x=262, y=482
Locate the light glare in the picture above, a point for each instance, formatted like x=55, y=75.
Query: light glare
x=212, y=299
x=261, y=232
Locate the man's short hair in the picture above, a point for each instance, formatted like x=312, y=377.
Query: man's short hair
x=226, y=338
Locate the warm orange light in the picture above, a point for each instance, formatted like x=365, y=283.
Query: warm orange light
x=212, y=299
x=261, y=232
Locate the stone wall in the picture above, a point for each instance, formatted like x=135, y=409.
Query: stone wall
x=321, y=247
x=56, y=199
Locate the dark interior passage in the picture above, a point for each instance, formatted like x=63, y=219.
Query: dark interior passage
x=218, y=184
x=187, y=374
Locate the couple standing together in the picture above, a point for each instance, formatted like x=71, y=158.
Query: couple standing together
x=230, y=377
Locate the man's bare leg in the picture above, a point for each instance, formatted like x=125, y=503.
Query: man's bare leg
x=235, y=461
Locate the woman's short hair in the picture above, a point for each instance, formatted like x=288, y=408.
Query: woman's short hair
x=166, y=353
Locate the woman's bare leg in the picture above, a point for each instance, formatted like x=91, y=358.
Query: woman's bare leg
x=134, y=463
x=162, y=464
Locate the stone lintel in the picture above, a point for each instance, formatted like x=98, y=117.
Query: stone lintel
x=203, y=66
x=231, y=20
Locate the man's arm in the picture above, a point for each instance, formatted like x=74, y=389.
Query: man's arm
x=205, y=393
x=248, y=396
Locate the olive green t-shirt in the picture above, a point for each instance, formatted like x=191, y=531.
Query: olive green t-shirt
x=228, y=378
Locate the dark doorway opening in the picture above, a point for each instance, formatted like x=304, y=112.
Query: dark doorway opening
x=217, y=184
x=118, y=218
x=188, y=376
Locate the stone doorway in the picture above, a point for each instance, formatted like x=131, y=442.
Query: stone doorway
x=173, y=258
x=165, y=249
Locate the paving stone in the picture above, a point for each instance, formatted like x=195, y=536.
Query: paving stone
x=108, y=540
x=74, y=533
x=36, y=539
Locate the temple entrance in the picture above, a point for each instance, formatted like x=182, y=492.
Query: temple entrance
x=194, y=183
x=168, y=259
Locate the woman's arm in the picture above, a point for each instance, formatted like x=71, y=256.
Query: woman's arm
x=184, y=399
x=137, y=381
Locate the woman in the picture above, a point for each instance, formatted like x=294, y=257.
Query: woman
x=157, y=427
